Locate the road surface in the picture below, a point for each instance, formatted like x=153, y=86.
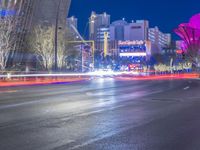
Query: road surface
x=102, y=114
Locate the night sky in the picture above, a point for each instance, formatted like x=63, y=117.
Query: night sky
x=166, y=14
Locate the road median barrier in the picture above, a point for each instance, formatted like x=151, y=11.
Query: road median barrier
x=38, y=79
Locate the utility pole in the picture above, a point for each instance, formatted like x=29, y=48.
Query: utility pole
x=56, y=37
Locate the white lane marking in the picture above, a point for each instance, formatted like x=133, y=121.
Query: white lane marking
x=8, y=91
x=95, y=139
x=17, y=105
x=132, y=95
x=186, y=88
x=119, y=98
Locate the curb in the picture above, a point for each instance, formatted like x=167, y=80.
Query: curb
x=32, y=83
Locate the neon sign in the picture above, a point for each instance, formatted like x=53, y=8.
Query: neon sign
x=131, y=42
x=179, y=51
x=133, y=54
x=4, y=13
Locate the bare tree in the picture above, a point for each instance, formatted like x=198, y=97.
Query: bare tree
x=7, y=39
x=61, y=53
x=41, y=43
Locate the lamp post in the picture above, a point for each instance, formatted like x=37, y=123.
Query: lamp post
x=56, y=37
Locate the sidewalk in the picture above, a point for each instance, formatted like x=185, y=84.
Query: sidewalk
x=40, y=81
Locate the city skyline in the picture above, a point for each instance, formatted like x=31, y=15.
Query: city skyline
x=108, y=75
x=170, y=10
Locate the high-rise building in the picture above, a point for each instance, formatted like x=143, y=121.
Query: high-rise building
x=159, y=39
x=116, y=34
x=120, y=30
x=117, y=30
x=98, y=25
x=72, y=21
x=134, y=54
x=72, y=27
x=136, y=30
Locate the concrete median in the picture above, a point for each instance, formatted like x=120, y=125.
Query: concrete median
x=22, y=81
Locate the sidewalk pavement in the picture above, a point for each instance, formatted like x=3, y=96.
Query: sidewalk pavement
x=40, y=81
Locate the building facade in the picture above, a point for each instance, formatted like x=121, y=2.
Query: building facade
x=29, y=14
x=98, y=25
x=117, y=30
x=136, y=30
x=134, y=54
x=121, y=30
x=72, y=21
x=159, y=39
x=124, y=39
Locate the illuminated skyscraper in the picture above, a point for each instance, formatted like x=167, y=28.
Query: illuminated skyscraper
x=137, y=30
x=72, y=21
x=98, y=25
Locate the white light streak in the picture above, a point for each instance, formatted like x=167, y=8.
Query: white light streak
x=133, y=54
x=95, y=73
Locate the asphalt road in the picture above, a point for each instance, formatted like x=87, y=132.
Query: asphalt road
x=102, y=114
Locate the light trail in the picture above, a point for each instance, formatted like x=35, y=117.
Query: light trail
x=41, y=75
x=44, y=79
x=95, y=73
x=100, y=73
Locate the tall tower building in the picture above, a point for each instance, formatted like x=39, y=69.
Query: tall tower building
x=72, y=21
x=136, y=30
x=98, y=25
x=159, y=39
x=117, y=30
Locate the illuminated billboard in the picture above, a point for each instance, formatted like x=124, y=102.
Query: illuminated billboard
x=132, y=48
x=134, y=54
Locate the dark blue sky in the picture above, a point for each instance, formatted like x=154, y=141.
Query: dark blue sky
x=166, y=14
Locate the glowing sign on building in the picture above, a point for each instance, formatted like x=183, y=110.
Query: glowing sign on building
x=179, y=51
x=131, y=42
x=4, y=13
x=136, y=54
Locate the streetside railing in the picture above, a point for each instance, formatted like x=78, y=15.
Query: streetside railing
x=32, y=76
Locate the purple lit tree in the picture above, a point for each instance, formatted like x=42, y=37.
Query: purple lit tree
x=190, y=34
